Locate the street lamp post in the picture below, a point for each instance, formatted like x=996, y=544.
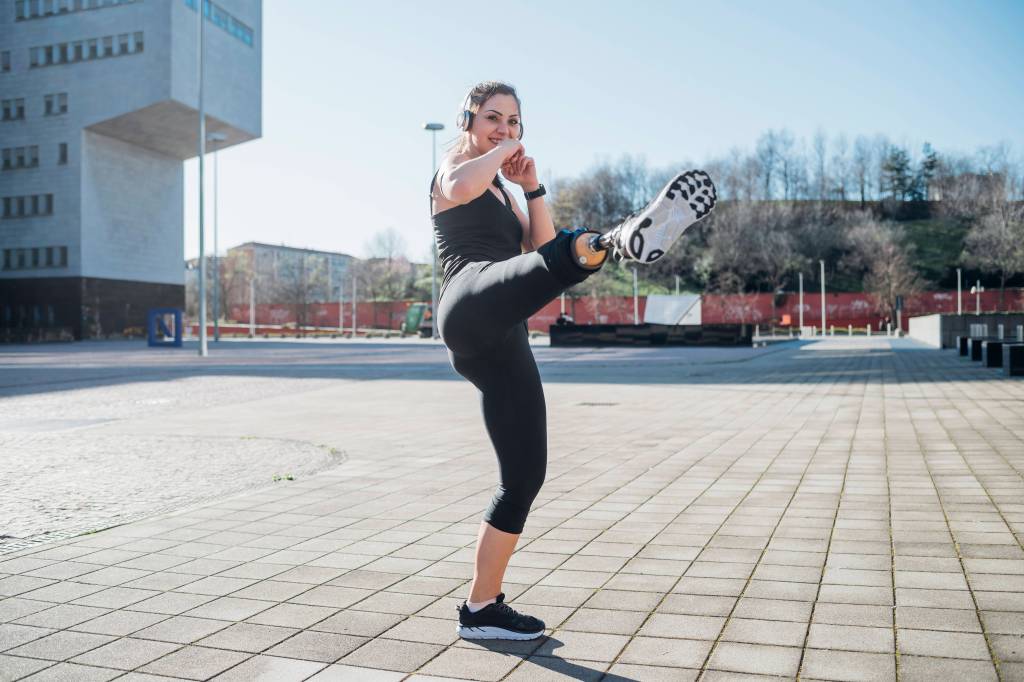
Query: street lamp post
x=203, y=351
x=252, y=305
x=959, y=292
x=433, y=128
x=636, y=299
x=801, y=277
x=822, y=297
x=216, y=138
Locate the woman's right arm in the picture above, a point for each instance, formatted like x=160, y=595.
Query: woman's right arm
x=463, y=179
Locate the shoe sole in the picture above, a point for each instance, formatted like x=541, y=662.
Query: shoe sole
x=491, y=632
x=687, y=198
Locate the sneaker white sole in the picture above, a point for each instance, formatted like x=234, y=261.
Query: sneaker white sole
x=686, y=199
x=491, y=632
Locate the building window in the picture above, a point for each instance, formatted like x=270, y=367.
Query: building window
x=55, y=103
x=5, y=61
x=34, y=9
x=20, y=157
x=82, y=50
x=7, y=266
x=13, y=109
x=21, y=259
x=63, y=256
x=62, y=154
x=223, y=19
x=35, y=258
x=28, y=206
x=49, y=256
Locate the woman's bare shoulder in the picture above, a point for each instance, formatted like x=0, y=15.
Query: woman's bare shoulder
x=453, y=159
x=449, y=162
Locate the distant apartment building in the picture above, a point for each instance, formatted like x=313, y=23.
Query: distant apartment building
x=279, y=274
x=99, y=110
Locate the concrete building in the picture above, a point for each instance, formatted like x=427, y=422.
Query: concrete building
x=279, y=273
x=99, y=110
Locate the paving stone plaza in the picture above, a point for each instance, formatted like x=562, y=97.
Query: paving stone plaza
x=831, y=510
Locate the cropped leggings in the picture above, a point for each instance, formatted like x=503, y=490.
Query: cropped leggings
x=482, y=319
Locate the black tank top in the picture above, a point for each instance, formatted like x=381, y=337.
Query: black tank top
x=482, y=230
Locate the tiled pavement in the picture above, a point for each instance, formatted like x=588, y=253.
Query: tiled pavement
x=834, y=511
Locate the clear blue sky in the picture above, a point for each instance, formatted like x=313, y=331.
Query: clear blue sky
x=347, y=86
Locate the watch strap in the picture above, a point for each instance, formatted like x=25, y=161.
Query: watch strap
x=539, y=192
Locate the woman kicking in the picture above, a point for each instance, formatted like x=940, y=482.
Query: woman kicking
x=501, y=266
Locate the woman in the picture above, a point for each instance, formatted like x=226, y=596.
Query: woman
x=502, y=265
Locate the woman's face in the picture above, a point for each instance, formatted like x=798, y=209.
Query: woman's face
x=497, y=119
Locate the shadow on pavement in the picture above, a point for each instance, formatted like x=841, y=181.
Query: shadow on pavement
x=541, y=653
x=27, y=370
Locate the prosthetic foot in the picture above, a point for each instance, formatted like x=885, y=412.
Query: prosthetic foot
x=647, y=235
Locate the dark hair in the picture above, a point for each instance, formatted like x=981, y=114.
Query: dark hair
x=480, y=93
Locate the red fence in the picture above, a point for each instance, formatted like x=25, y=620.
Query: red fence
x=858, y=310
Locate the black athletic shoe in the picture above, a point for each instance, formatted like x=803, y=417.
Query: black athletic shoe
x=498, y=621
x=648, y=234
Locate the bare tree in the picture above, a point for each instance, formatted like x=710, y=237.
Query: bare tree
x=235, y=273
x=767, y=155
x=775, y=247
x=386, y=275
x=995, y=244
x=840, y=168
x=300, y=278
x=734, y=231
x=601, y=197
x=881, y=252
x=821, y=182
x=862, y=167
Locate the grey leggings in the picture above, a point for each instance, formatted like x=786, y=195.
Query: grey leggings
x=482, y=319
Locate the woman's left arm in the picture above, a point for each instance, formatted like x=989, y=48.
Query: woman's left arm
x=538, y=228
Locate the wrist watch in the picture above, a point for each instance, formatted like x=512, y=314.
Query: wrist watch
x=539, y=192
